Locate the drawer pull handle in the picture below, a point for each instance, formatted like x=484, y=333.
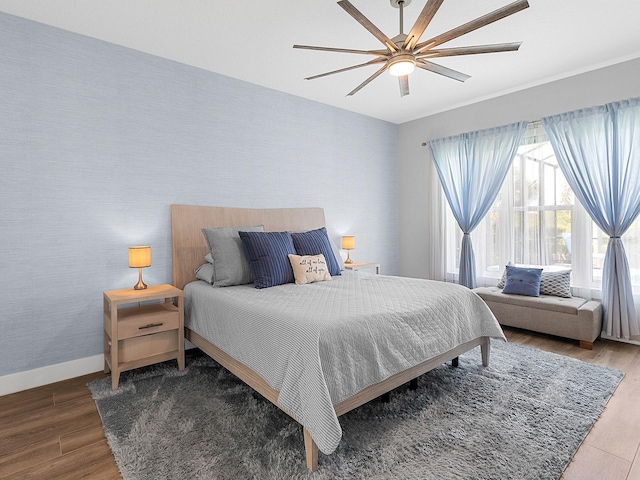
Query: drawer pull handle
x=150, y=325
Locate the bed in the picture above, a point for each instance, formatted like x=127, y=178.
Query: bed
x=318, y=351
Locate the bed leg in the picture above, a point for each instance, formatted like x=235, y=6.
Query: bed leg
x=455, y=362
x=311, y=451
x=485, y=348
x=413, y=385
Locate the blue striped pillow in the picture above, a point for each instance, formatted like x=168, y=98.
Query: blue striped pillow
x=315, y=242
x=267, y=253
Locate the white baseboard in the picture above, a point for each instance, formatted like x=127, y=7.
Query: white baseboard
x=607, y=337
x=16, y=382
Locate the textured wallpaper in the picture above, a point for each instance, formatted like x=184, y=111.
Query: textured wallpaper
x=96, y=141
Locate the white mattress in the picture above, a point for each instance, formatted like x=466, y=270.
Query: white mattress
x=321, y=343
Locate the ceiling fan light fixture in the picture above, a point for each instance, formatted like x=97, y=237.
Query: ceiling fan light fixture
x=402, y=65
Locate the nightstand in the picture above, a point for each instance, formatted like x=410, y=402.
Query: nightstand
x=359, y=265
x=139, y=335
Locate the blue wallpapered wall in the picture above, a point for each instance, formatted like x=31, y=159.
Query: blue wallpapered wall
x=96, y=141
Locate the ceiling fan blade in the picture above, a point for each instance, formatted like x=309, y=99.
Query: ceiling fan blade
x=472, y=25
x=371, y=62
x=378, y=53
x=452, y=52
x=447, y=72
x=366, y=23
x=366, y=82
x=404, y=85
x=425, y=17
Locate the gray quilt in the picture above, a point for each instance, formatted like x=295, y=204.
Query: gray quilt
x=321, y=343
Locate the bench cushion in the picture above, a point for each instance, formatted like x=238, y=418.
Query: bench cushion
x=543, y=302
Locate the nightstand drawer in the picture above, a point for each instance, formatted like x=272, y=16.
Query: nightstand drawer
x=132, y=349
x=148, y=319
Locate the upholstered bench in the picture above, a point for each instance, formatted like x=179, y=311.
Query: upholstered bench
x=574, y=317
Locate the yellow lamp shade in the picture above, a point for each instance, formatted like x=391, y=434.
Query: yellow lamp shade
x=140, y=256
x=348, y=242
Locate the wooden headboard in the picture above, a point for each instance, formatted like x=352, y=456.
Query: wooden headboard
x=189, y=246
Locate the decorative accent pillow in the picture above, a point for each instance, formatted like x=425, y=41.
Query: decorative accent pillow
x=556, y=283
x=316, y=242
x=309, y=268
x=523, y=281
x=204, y=272
x=267, y=255
x=230, y=266
x=504, y=276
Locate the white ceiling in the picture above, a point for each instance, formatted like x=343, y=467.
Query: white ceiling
x=252, y=40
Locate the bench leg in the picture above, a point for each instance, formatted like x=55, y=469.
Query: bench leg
x=587, y=345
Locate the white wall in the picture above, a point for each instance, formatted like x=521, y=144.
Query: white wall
x=419, y=195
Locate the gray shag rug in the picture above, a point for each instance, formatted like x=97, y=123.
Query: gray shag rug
x=523, y=417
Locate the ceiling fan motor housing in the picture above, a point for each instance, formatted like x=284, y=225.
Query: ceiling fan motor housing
x=396, y=3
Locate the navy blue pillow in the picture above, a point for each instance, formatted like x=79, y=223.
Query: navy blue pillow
x=315, y=242
x=523, y=281
x=267, y=253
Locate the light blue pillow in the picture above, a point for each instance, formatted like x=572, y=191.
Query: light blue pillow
x=316, y=242
x=523, y=281
x=268, y=256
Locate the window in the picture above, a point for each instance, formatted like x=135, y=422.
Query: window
x=536, y=220
x=541, y=208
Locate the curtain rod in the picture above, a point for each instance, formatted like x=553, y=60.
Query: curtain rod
x=532, y=124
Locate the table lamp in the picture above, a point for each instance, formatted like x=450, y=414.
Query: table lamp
x=140, y=257
x=348, y=244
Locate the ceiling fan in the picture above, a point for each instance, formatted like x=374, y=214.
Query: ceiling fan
x=404, y=52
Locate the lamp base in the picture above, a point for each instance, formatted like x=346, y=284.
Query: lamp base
x=140, y=285
x=348, y=260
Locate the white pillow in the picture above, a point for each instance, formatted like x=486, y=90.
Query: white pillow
x=309, y=268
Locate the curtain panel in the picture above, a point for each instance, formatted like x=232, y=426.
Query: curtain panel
x=471, y=168
x=598, y=150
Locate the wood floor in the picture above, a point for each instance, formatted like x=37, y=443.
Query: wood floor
x=54, y=432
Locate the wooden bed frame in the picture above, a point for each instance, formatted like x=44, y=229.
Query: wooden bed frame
x=188, y=251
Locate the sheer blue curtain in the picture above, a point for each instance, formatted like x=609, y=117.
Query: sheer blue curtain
x=472, y=167
x=598, y=150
